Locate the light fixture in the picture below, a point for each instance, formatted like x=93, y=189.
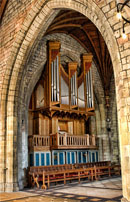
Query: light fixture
x=124, y=36
x=119, y=16
x=120, y=7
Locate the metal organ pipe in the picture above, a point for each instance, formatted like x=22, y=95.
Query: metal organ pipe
x=52, y=82
x=87, y=88
x=71, y=90
x=58, y=91
x=75, y=90
x=89, y=94
x=91, y=86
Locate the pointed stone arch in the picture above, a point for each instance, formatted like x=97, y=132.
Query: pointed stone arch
x=32, y=27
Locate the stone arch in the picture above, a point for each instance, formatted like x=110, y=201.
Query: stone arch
x=39, y=14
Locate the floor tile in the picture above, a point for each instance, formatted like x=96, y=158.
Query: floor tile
x=95, y=199
x=108, y=190
x=81, y=197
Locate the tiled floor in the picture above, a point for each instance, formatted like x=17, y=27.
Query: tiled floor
x=108, y=190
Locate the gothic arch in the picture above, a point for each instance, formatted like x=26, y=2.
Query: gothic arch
x=33, y=27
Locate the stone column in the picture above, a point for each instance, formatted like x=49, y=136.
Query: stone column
x=124, y=129
x=11, y=152
x=104, y=135
x=2, y=147
x=22, y=146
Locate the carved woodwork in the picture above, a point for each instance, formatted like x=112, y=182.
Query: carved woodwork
x=62, y=102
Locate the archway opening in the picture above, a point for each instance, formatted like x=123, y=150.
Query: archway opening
x=24, y=76
x=77, y=36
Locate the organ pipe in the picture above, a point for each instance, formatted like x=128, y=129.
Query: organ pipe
x=78, y=91
x=52, y=82
x=53, y=89
x=73, y=83
x=87, y=60
x=58, y=90
x=92, y=88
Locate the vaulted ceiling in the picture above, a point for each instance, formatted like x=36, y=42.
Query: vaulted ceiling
x=85, y=32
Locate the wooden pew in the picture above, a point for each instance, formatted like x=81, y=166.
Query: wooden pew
x=65, y=175
x=107, y=170
x=102, y=170
x=93, y=170
x=35, y=172
x=88, y=165
x=115, y=169
x=46, y=177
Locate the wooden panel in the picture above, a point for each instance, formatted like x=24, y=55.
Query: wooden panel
x=70, y=127
x=30, y=123
x=75, y=127
x=54, y=125
x=36, y=126
x=40, y=125
x=63, y=126
x=82, y=127
x=44, y=126
x=78, y=128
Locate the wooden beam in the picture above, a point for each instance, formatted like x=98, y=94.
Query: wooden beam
x=64, y=26
x=66, y=20
x=63, y=15
x=2, y=8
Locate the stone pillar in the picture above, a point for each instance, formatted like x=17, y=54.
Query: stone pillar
x=22, y=147
x=123, y=99
x=104, y=135
x=98, y=131
x=11, y=152
x=2, y=148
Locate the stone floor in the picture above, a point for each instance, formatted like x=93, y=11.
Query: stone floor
x=107, y=190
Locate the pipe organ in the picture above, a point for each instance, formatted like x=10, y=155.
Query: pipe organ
x=60, y=106
x=67, y=88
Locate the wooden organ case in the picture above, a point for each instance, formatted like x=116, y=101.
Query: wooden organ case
x=60, y=105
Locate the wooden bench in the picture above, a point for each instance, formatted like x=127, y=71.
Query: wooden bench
x=35, y=172
x=88, y=165
x=57, y=173
x=101, y=170
x=50, y=168
x=47, y=177
x=115, y=169
x=107, y=170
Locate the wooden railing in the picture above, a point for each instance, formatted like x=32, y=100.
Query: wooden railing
x=38, y=141
x=58, y=141
x=62, y=141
